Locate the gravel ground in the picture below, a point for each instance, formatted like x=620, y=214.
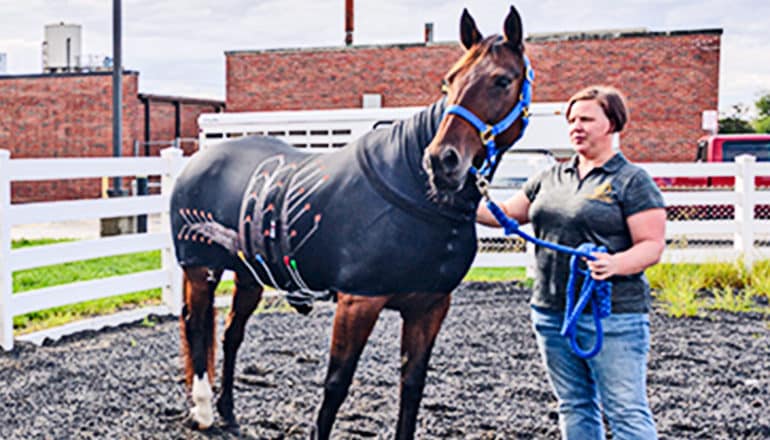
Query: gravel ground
x=708, y=378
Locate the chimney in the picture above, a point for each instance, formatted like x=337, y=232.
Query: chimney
x=348, y=22
x=428, y=33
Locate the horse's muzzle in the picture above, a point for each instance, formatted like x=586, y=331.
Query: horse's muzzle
x=447, y=171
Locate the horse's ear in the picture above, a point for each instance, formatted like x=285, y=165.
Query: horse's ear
x=513, y=29
x=469, y=34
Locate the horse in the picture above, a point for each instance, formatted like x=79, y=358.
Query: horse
x=386, y=222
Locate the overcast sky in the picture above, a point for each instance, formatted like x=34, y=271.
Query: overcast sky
x=178, y=45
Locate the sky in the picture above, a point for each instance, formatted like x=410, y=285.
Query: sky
x=178, y=45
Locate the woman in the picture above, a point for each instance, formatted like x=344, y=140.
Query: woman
x=600, y=198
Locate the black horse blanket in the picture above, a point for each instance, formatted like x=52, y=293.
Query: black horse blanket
x=359, y=220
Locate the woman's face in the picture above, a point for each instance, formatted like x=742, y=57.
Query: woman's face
x=589, y=129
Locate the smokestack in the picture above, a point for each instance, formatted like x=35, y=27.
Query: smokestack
x=348, y=22
x=429, y=32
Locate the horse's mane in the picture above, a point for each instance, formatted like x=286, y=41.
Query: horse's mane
x=489, y=45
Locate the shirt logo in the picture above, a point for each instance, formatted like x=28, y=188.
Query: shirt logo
x=602, y=193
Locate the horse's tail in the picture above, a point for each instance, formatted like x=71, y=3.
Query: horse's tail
x=198, y=324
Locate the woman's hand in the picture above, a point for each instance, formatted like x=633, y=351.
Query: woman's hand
x=647, y=233
x=604, y=266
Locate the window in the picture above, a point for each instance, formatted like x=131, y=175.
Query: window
x=701, y=154
x=733, y=149
x=371, y=100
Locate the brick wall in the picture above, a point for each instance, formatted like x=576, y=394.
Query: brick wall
x=669, y=79
x=163, y=121
x=70, y=115
x=43, y=116
x=405, y=75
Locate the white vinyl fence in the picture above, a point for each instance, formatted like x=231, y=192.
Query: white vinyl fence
x=168, y=277
x=741, y=238
x=748, y=238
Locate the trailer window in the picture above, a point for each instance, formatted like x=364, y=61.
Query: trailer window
x=700, y=156
x=733, y=149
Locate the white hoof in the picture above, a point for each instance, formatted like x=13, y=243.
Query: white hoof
x=202, y=419
x=202, y=412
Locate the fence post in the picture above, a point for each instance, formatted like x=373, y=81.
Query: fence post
x=172, y=293
x=743, y=241
x=6, y=280
x=529, y=248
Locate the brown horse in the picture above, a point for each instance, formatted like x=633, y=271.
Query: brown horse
x=387, y=222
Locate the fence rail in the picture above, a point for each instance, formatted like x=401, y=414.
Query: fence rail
x=744, y=231
x=168, y=277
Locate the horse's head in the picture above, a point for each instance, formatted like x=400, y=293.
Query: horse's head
x=483, y=92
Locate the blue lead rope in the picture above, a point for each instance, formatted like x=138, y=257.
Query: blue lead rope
x=596, y=291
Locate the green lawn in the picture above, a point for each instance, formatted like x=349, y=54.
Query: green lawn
x=41, y=277
x=496, y=274
x=680, y=290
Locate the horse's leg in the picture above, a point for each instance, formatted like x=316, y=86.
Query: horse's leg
x=197, y=325
x=353, y=323
x=420, y=327
x=246, y=297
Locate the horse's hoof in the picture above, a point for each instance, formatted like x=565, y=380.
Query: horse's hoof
x=198, y=421
x=226, y=414
x=190, y=423
x=303, y=309
x=231, y=426
x=229, y=422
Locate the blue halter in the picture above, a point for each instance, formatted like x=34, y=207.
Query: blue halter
x=489, y=132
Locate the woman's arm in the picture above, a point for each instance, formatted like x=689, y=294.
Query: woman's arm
x=517, y=207
x=648, y=233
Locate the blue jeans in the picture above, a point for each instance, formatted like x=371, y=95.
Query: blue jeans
x=614, y=380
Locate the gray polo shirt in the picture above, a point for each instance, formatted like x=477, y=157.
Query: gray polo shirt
x=571, y=211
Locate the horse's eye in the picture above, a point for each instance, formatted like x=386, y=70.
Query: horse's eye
x=503, y=82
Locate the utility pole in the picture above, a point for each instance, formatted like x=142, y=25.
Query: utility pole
x=348, y=22
x=117, y=94
x=117, y=225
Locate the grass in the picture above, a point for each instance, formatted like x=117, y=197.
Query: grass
x=690, y=289
x=680, y=290
x=496, y=274
x=726, y=298
x=675, y=289
x=42, y=277
x=49, y=276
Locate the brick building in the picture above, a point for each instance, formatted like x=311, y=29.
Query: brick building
x=70, y=115
x=669, y=78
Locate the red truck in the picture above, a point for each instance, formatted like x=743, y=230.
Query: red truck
x=721, y=148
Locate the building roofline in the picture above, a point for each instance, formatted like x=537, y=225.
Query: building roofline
x=341, y=48
x=181, y=99
x=63, y=74
x=608, y=34
x=604, y=34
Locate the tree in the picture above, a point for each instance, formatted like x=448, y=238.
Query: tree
x=762, y=125
x=762, y=122
x=736, y=122
x=763, y=105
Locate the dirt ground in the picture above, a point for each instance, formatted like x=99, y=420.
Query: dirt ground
x=708, y=378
